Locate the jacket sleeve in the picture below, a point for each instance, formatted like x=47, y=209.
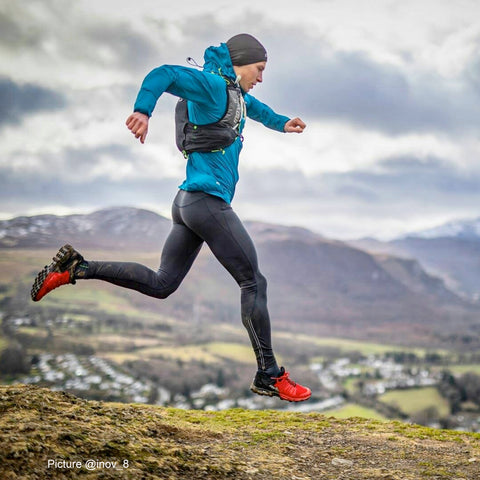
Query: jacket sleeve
x=262, y=113
x=202, y=88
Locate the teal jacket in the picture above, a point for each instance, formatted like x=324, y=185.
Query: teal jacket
x=215, y=173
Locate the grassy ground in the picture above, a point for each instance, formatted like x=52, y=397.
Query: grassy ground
x=145, y=442
x=354, y=410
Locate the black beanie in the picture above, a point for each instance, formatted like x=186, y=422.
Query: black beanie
x=245, y=49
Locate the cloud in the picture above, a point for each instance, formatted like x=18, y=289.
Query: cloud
x=28, y=193
x=65, y=44
x=396, y=183
x=122, y=46
x=472, y=70
x=16, y=100
x=427, y=181
x=398, y=195
x=351, y=87
x=310, y=77
x=14, y=33
x=82, y=164
x=392, y=118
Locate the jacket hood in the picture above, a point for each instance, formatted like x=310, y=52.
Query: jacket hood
x=217, y=60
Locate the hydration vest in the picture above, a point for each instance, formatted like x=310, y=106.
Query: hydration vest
x=212, y=136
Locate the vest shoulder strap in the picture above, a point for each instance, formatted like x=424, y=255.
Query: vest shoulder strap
x=213, y=136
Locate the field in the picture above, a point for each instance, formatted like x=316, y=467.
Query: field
x=365, y=348
x=414, y=400
x=461, y=369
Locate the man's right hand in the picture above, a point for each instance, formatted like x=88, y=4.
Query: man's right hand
x=137, y=123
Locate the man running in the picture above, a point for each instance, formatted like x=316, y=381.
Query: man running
x=210, y=116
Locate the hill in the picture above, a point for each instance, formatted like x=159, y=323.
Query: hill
x=45, y=434
x=316, y=285
x=450, y=251
x=124, y=227
x=469, y=228
x=332, y=287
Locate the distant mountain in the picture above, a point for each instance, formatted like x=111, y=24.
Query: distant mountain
x=468, y=229
x=336, y=287
x=315, y=284
x=119, y=227
x=450, y=251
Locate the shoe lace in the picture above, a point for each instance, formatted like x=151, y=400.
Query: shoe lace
x=286, y=377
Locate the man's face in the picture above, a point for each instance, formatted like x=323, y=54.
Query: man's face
x=250, y=74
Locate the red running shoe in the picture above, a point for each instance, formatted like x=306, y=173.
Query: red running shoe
x=60, y=272
x=281, y=386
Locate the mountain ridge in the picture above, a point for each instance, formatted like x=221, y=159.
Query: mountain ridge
x=462, y=228
x=450, y=251
x=126, y=224
x=320, y=285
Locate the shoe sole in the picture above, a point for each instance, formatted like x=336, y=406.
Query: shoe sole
x=62, y=257
x=270, y=393
x=58, y=261
x=262, y=391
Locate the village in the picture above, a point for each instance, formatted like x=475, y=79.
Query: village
x=86, y=375
x=345, y=379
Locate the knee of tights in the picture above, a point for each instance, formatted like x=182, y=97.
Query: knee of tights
x=258, y=283
x=163, y=293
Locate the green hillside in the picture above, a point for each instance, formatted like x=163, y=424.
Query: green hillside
x=46, y=434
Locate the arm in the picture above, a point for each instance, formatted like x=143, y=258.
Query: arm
x=262, y=113
x=204, y=89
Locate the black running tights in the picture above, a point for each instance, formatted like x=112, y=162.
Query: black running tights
x=199, y=217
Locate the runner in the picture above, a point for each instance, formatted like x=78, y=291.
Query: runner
x=210, y=116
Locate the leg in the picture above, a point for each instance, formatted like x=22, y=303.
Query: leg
x=181, y=248
x=230, y=243
x=216, y=222
x=179, y=252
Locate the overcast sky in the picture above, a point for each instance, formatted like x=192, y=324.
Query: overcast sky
x=390, y=91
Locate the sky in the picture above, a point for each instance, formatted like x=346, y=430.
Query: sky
x=389, y=89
